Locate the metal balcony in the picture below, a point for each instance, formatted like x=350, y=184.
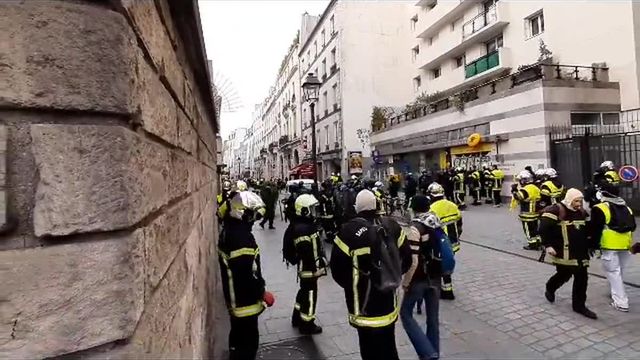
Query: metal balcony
x=479, y=22
x=482, y=64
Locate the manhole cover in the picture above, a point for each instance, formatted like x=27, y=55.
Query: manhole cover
x=303, y=348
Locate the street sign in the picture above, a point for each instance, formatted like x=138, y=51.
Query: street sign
x=628, y=173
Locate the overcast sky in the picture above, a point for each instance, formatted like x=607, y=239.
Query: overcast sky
x=247, y=40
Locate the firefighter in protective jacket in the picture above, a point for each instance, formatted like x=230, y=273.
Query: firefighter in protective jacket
x=242, y=282
x=302, y=247
x=527, y=195
x=371, y=312
x=459, y=188
x=451, y=219
x=552, y=190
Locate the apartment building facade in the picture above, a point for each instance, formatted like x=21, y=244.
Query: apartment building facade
x=235, y=153
x=474, y=65
x=359, y=62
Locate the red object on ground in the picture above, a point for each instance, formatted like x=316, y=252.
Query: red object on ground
x=268, y=298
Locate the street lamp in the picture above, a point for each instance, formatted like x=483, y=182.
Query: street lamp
x=238, y=159
x=311, y=88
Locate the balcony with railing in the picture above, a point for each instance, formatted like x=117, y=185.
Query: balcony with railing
x=432, y=20
x=450, y=44
x=482, y=64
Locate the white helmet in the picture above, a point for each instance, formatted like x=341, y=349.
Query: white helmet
x=305, y=205
x=378, y=184
x=241, y=185
x=608, y=165
x=551, y=173
x=540, y=172
x=435, y=189
x=429, y=219
x=524, y=177
x=244, y=205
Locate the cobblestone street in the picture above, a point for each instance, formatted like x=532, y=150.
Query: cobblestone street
x=500, y=311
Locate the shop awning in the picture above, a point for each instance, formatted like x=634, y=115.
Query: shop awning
x=302, y=170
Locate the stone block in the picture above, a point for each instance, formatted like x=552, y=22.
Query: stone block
x=95, y=178
x=3, y=175
x=149, y=27
x=187, y=136
x=67, y=298
x=157, y=110
x=41, y=68
x=165, y=236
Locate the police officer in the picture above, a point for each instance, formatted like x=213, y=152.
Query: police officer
x=451, y=219
x=527, y=195
x=497, y=179
x=552, y=190
x=564, y=234
x=242, y=282
x=371, y=312
x=459, y=188
x=302, y=247
x=612, y=224
x=476, y=186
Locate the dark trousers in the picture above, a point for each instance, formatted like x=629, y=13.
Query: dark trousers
x=497, y=199
x=531, y=232
x=269, y=216
x=244, y=338
x=378, y=343
x=459, y=198
x=307, y=299
x=447, y=284
x=580, y=278
x=329, y=226
x=476, y=194
x=488, y=193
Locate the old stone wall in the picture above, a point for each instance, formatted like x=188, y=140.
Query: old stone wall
x=107, y=178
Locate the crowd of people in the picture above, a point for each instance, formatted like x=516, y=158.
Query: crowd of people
x=377, y=254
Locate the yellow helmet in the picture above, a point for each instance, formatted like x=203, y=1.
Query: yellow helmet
x=305, y=205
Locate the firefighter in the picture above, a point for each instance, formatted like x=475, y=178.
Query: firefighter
x=527, y=195
x=223, y=196
x=378, y=191
x=334, y=179
x=612, y=224
x=563, y=229
x=607, y=178
x=459, y=188
x=497, y=179
x=487, y=182
x=326, y=210
x=242, y=282
x=476, y=186
x=372, y=312
x=552, y=190
x=302, y=247
x=451, y=219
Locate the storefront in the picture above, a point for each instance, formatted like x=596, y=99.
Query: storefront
x=468, y=157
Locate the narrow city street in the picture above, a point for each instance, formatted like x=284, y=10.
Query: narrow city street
x=499, y=312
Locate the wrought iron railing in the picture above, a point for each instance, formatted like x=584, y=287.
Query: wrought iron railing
x=479, y=22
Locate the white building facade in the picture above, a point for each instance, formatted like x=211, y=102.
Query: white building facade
x=357, y=50
x=235, y=153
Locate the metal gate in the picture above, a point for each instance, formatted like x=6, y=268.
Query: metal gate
x=578, y=150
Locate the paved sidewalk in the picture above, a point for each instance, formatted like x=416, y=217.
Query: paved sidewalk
x=499, y=228
x=499, y=312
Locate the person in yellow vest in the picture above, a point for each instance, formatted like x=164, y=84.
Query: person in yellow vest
x=613, y=224
x=476, y=186
x=487, y=184
x=497, y=179
x=378, y=191
x=242, y=282
x=459, y=188
x=552, y=190
x=451, y=219
x=528, y=196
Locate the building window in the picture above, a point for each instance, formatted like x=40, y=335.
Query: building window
x=459, y=61
x=436, y=73
x=415, y=52
x=489, y=4
x=334, y=93
x=494, y=44
x=336, y=131
x=586, y=119
x=333, y=56
x=324, y=39
x=417, y=83
x=332, y=24
x=315, y=47
x=534, y=24
x=324, y=100
x=326, y=138
x=430, y=41
x=414, y=22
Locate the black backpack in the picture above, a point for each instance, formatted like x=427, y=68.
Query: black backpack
x=386, y=266
x=622, y=221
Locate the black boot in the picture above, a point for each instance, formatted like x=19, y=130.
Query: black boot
x=531, y=247
x=586, y=312
x=551, y=297
x=447, y=295
x=295, y=318
x=309, y=328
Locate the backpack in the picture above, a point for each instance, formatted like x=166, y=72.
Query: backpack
x=386, y=267
x=436, y=254
x=622, y=220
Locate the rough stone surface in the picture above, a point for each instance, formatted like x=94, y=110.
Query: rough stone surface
x=187, y=136
x=41, y=69
x=66, y=298
x=95, y=178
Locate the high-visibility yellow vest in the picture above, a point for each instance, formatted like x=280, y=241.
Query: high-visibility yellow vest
x=446, y=211
x=613, y=240
x=550, y=189
x=612, y=177
x=498, y=177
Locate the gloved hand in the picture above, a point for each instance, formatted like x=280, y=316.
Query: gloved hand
x=514, y=188
x=551, y=251
x=635, y=248
x=268, y=298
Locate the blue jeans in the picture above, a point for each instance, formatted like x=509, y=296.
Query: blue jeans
x=427, y=345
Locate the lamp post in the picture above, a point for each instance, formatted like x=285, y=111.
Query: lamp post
x=311, y=89
x=238, y=159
